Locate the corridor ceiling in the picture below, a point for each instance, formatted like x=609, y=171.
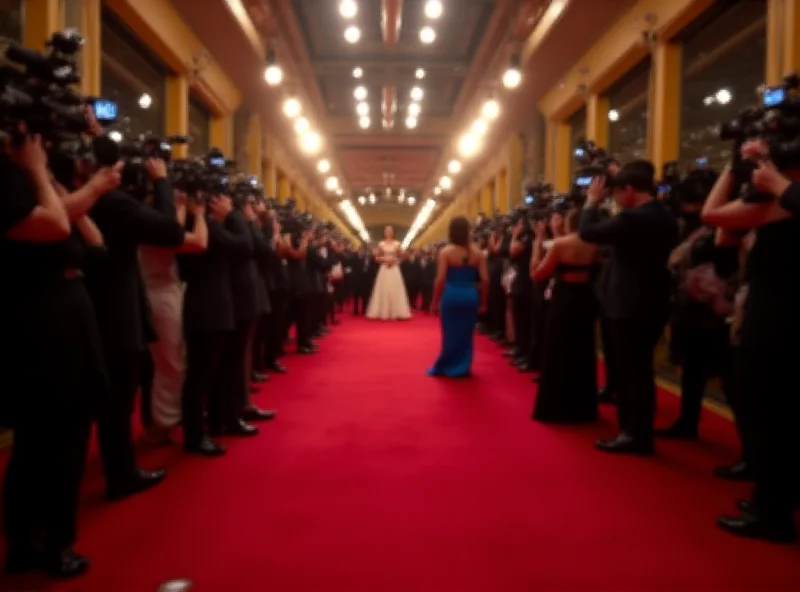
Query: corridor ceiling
x=450, y=79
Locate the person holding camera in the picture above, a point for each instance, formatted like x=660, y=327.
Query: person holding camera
x=636, y=298
x=277, y=281
x=300, y=289
x=520, y=251
x=768, y=349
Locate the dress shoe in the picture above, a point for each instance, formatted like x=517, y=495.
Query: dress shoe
x=527, y=367
x=750, y=526
x=141, y=481
x=747, y=506
x=259, y=377
x=238, y=428
x=205, y=447
x=606, y=396
x=520, y=361
x=511, y=353
x=741, y=471
x=253, y=413
x=277, y=367
x=305, y=350
x=66, y=564
x=677, y=431
x=626, y=444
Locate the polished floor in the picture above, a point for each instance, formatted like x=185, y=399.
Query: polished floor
x=376, y=478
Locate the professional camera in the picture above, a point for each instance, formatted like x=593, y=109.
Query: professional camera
x=292, y=220
x=201, y=178
x=777, y=122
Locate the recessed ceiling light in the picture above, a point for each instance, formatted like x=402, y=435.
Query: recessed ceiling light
x=433, y=9
x=340, y=191
x=372, y=198
x=417, y=93
x=311, y=142
x=411, y=201
x=437, y=190
x=420, y=73
x=454, y=167
x=348, y=8
x=352, y=34
x=414, y=109
x=468, y=145
x=491, y=109
x=331, y=183
x=445, y=182
x=301, y=126
x=512, y=78
x=427, y=35
x=323, y=166
x=145, y=101
x=364, y=122
x=360, y=93
x=480, y=127
x=411, y=122
x=292, y=107
x=362, y=108
x=613, y=115
x=358, y=72
x=273, y=75
x=362, y=200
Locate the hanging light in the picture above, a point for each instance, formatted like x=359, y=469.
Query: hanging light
x=362, y=109
x=427, y=35
x=273, y=74
x=352, y=34
x=348, y=8
x=433, y=9
x=323, y=166
x=360, y=93
x=454, y=167
x=491, y=109
x=513, y=76
x=292, y=107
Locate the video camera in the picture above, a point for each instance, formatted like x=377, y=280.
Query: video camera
x=201, y=178
x=593, y=161
x=777, y=122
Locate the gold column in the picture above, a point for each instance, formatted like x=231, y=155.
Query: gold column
x=270, y=179
x=790, y=19
x=91, y=54
x=516, y=158
x=487, y=198
x=177, y=112
x=501, y=182
x=254, y=145
x=665, y=109
x=42, y=19
x=284, y=189
x=776, y=15
x=221, y=134
x=558, y=155
x=300, y=199
x=597, y=126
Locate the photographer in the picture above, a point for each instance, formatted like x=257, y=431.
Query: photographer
x=636, y=298
x=520, y=252
x=52, y=346
x=496, y=312
x=299, y=311
x=276, y=279
x=768, y=347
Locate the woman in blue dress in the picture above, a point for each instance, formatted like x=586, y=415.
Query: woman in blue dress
x=459, y=294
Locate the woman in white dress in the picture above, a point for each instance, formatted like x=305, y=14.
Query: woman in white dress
x=389, y=300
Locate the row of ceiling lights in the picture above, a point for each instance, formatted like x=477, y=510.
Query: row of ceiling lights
x=401, y=198
x=362, y=106
x=427, y=34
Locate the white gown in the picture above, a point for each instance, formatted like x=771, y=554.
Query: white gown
x=389, y=300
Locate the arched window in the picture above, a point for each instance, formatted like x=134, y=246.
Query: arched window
x=133, y=78
x=628, y=102
x=11, y=15
x=199, y=128
x=724, y=61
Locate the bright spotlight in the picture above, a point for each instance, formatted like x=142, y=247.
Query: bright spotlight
x=454, y=167
x=414, y=109
x=411, y=122
x=362, y=109
x=360, y=93
x=437, y=190
x=420, y=74
x=417, y=93
x=723, y=96
x=352, y=34
x=145, y=101
x=291, y=107
x=301, y=126
x=372, y=198
x=491, y=109
x=411, y=201
x=446, y=182
x=512, y=78
x=348, y=8
x=115, y=136
x=362, y=200
x=468, y=145
x=273, y=75
x=480, y=127
x=364, y=122
x=613, y=115
x=331, y=183
x=358, y=72
x=427, y=35
x=311, y=142
x=433, y=9
x=323, y=166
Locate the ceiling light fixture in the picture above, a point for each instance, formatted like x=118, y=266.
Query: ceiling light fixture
x=372, y=198
x=364, y=122
x=419, y=74
x=491, y=109
x=352, y=34
x=354, y=219
x=454, y=167
x=145, y=101
x=411, y=201
x=348, y=8
x=513, y=76
x=427, y=35
x=360, y=93
x=480, y=127
x=362, y=200
x=301, y=126
x=433, y=9
x=358, y=72
x=437, y=190
x=340, y=191
x=613, y=115
x=414, y=109
x=468, y=145
x=311, y=142
x=417, y=93
x=446, y=182
x=422, y=218
x=331, y=183
x=292, y=107
x=411, y=122
x=323, y=166
x=273, y=75
x=362, y=109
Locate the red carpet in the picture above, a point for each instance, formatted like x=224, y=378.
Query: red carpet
x=377, y=478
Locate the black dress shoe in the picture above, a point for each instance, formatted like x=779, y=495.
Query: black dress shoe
x=66, y=564
x=741, y=471
x=277, y=367
x=239, y=428
x=520, y=361
x=626, y=444
x=141, y=481
x=253, y=413
x=259, y=377
x=205, y=447
x=511, y=353
x=750, y=526
x=677, y=431
x=747, y=506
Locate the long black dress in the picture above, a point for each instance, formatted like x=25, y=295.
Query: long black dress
x=568, y=380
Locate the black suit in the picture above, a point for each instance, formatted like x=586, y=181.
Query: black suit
x=123, y=315
x=364, y=271
x=411, y=276
x=317, y=266
x=636, y=301
x=427, y=278
x=208, y=319
x=299, y=306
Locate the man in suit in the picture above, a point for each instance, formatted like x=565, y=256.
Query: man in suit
x=364, y=272
x=427, y=274
x=411, y=276
x=636, y=296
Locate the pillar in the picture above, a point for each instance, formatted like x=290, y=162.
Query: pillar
x=221, y=134
x=665, y=107
x=177, y=119
x=41, y=19
x=487, y=198
x=783, y=45
x=501, y=183
x=558, y=155
x=284, y=188
x=597, y=125
x=270, y=178
x=91, y=54
x=515, y=168
x=254, y=145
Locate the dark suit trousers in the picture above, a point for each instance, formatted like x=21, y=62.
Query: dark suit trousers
x=146, y=377
x=114, y=418
x=232, y=383
x=413, y=293
x=427, y=295
x=497, y=306
x=634, y=344
x=361, y=297
x=521, y=303
x=43, y=478
x=269, y=340
x=203, y=357
x=298, y=315
x=608, y=355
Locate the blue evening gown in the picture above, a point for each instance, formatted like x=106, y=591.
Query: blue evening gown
x=458, y=310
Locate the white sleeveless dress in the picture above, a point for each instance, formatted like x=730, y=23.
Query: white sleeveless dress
x=389, y=300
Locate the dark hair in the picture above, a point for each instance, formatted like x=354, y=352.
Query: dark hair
x=459, y=231
x=572, y=218
x=639, y=174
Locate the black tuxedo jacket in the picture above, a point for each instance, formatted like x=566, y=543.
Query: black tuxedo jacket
x=208, y=302
x=641, y=239
x=114, y=281
x=427, y=271
x=262, y=249
x=244, y=275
